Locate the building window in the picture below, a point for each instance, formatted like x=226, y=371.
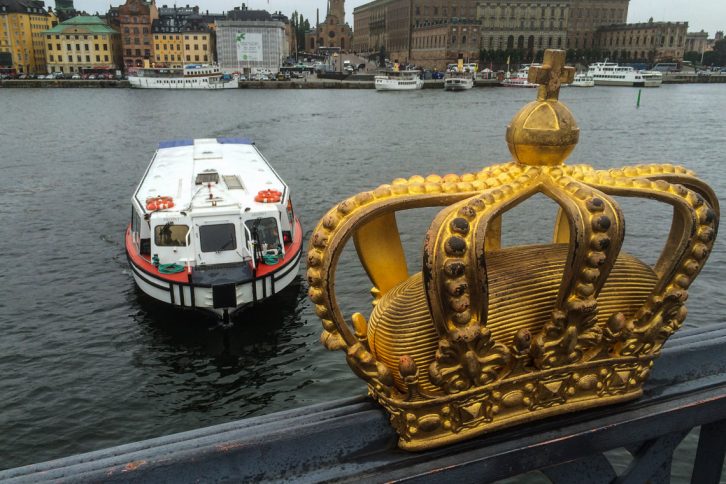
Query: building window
x=105, y=46
x=98, y=58
x=51, y=57
x=105, y=58
x=196, y=57
x=204, y=46
x=57, y=47
x=88, y=58
x=188, y=58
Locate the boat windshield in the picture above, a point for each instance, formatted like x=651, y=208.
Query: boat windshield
x=170, y=235
x=266, y=233
x=217, y=237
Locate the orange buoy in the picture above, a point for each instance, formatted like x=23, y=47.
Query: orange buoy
x=159, y=203
x=268, y=196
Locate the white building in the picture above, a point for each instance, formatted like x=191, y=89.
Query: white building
x=250, y=41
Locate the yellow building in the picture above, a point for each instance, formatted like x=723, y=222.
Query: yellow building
x=22, y=43
x=198, y=47
x=83, y=43
x=181, y=36
x=168, y=49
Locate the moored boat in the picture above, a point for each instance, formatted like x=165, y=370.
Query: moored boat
x=396, y=80
x=212, y=227
x=612, y=74
x=458, y=81
x=520, y=78
x=192, y=76
x=582, y=80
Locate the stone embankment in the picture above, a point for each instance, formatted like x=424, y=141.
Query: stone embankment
x=668, y=78
x=62, y=83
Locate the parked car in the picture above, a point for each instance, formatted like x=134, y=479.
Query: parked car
x=76, y=76
x=92, y=77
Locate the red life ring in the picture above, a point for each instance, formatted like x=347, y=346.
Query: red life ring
x=268, y=196
x=159, y=203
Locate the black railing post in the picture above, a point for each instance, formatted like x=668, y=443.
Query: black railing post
x=710, y=454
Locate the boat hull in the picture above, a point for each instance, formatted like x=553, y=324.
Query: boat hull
x=178, y=289
x=395, y=85
x=463, y=86
x=179, y=83
x=622, y=83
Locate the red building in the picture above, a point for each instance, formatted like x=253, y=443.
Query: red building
x=134, y=22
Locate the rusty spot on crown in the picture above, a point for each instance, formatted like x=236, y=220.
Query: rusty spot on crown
x=455, y=245
x=454, y=269
x=601, y=223
x=460, y=225
x=595, y=204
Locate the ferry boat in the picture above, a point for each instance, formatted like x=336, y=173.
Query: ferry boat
x=582, y=80
x=611, y=74
x=399, y=81
x=458, y=81
x=212, y=227
x=520, y=79
x=192, y=76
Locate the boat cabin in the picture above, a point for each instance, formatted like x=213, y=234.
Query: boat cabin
x=211, y=202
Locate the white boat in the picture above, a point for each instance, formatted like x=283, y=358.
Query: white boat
x=399, y=81
x=520, y=78
x=611, y=74
x=582, y=80
x=212, y=227
x=458, y=81
x=192, y=76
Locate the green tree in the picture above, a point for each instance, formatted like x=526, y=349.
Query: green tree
x=692, y=56
x=716, y=57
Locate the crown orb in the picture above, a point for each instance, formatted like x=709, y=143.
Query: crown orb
x=542, y=133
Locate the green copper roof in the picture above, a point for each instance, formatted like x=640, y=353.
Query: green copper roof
x=82, y=23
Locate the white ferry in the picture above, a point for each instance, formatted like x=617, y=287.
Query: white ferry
x=212, y=227
x=458, y=81
x=582, y=80
x=611, y=74
x=520, y=79
x=399, y=81
x=192, y=76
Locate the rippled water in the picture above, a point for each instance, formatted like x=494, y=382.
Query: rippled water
x=86, y=361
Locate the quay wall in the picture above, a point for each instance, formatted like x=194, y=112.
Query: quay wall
x=62, y=83
x=668, y=78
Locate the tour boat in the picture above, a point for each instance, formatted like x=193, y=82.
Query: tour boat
x=212, y=227
x=582, y=80
x=399, y=81
x=611, y=74
x=520, y=79
x=192, y=76
x=458, y=81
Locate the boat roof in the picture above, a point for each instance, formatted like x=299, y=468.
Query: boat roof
x=182, y=169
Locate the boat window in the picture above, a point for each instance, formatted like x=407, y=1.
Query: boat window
x=217, y=237
x=170, y=235
x=265, y=232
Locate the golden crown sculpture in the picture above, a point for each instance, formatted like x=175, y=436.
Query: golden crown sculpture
x=487, y=337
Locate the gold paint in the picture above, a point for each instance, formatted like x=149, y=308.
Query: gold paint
x=486, y=337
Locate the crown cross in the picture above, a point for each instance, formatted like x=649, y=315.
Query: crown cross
x=551, y=75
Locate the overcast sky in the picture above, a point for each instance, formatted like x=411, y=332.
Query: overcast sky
x=709, y=15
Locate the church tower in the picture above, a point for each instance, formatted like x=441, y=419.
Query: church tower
x=336, y=11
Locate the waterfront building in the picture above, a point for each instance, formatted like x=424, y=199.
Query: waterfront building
x=524, y=26
x=587, y=16
x=435, y=44
x=333, y=32
x=646, y=42
x=390, y=23
x=82, y=44
x=22, y=43
x=697, y=42
x=135, y=19
x=181, y=36
x=251, y=40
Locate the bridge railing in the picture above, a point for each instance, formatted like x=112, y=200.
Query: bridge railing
x=351, y=440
